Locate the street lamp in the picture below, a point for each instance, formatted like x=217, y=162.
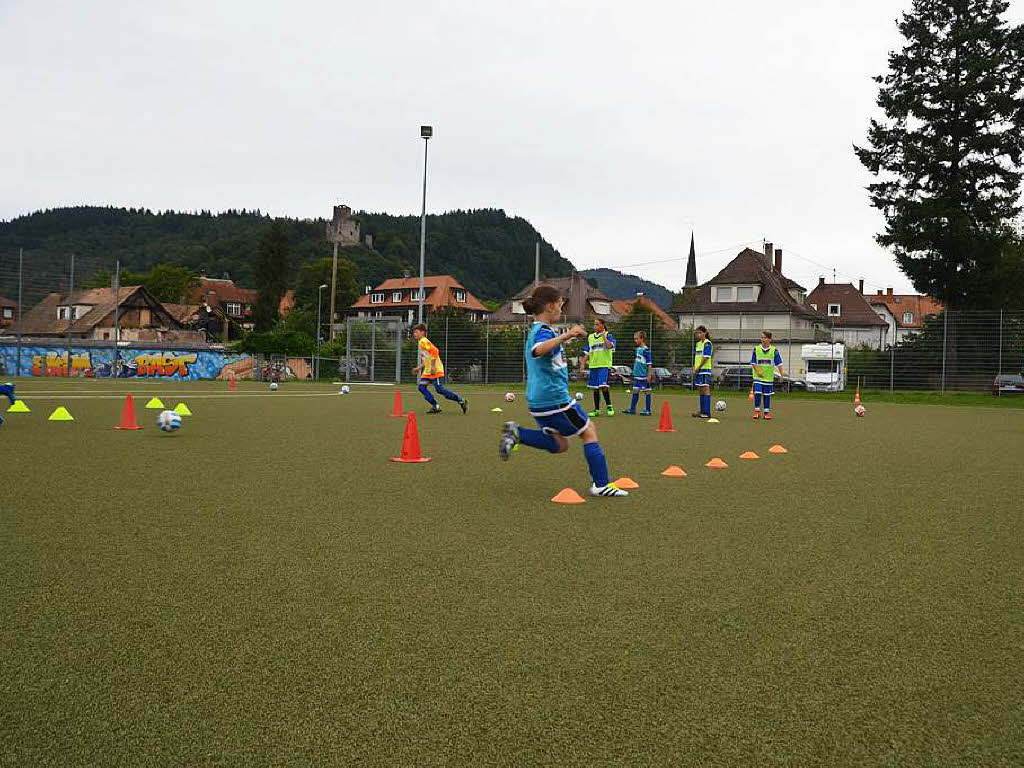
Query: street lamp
x=319, y=328
x=426, y=131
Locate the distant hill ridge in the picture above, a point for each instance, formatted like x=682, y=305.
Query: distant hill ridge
x=619, y=285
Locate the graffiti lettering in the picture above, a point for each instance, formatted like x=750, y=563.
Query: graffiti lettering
x=165, y=364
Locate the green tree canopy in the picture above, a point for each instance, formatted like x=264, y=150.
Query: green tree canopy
x=948, y=152
x=272, y=274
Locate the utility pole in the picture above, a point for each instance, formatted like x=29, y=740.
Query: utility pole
x=114, y=357
x=536, y=265
x=426, y=132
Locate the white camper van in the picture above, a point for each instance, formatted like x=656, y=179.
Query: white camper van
x=825, y=366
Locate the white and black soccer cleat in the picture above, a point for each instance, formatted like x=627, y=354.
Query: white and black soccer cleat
x=509, y=440
x=611, y=490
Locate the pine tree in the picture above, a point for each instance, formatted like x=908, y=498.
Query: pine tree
x=272, y=273
x=948, y=153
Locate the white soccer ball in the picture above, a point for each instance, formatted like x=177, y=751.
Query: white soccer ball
x=510, y=396
x=345, y=390
x=720, y=405
x=579, y=395
x=273, y=386
x=860, y=410
x=168, y=421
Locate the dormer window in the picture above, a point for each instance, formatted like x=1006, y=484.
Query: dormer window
x=745, y=293
x=396, y=296
x=460, y=296
x=601, y=307
x=908, y=318
x=417, y=294
x=517, y=308
x=834, y=310
x=723, y=295
x=8, y=313
x=377, y=298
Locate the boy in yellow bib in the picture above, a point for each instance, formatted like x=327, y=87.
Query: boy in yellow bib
x=430, y=369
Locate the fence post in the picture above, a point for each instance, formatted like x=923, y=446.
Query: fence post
x=487, y=350
x=446, y=341
x=373, y=348
x=21, y=269
x=792, y=367
x=892, y=363
x=71, y=311
x=523, y=356
x=348, y=348
x=945, y=328
x=1000, y=342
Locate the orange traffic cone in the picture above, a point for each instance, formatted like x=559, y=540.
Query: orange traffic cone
x=750, y=395
x=128, y=414
x=567, y=496
x=674, y=471
x=396, y=407
x=665, y=423
x=231, y=385
x=410, y=453
x=856, y=397
x=716, y=463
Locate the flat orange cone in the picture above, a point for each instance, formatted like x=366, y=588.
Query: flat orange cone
x=410, y=453
x=627, y=483
x=396, y=407
x=128, y=420
x=567, y=496
x=716, y=463
x=674, y=471
x=749, y=455
x=777, y=449
x=665, y=422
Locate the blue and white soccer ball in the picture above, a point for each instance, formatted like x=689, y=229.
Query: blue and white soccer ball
x=168, y=421
x=345, y=390
x=720, y=405
x=273, y=386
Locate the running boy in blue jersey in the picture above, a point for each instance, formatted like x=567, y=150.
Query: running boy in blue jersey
x=8, y=391
x=763, y=361
x=547, y=394
x=642, y=374
x=703, y=356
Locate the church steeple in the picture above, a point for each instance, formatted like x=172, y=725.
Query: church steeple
x=691, y=267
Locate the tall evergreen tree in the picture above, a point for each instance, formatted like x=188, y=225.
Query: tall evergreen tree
x=948, y=153
x=272, y=272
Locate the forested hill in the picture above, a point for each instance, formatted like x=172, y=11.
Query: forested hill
x=491, y=253
x=619, y=285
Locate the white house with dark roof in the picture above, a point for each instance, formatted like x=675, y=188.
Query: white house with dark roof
x=750, y=294
x=850, y=316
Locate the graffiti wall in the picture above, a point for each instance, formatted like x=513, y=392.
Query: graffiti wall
x=131, y=363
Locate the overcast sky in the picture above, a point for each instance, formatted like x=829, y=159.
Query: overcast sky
x=613, y=127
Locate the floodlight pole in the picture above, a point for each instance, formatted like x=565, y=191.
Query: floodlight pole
x=426, y=132
x=319, y=328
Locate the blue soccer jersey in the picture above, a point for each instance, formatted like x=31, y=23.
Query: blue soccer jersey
x=547, y=376
x=642, y=362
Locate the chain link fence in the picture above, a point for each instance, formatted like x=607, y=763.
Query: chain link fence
x=962, y=351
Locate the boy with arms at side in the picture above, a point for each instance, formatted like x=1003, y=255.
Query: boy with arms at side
x=547, y=395
x=597, y=355
x=763, y=361
x=643, y=373
x=431, y=369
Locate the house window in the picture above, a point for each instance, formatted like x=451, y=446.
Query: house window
x=376, y=298
x=8, y=313
x=517, y=308
x=723, y=295
x=745, y=293
x=62, y=313
x=396, y=297
x=834, y=310
x=234, y=308
x=908, y=318
x=460, y=296
x=418, y=294
x=601, y=307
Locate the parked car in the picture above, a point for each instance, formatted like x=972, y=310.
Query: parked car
x=620, y=374
x=666, y=378
x=736, y=377
x=1008, y=384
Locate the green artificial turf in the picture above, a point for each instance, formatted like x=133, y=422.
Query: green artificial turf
x=267, y=587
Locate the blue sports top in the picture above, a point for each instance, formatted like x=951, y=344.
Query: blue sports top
x=547, y=376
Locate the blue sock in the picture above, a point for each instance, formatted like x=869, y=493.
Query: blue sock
x=757, y=399
x=538, y=438
x=705, y=404
x=427, y=396
x=597, y=463
x=767, y=403
x=647, y=399
x=632, y=404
